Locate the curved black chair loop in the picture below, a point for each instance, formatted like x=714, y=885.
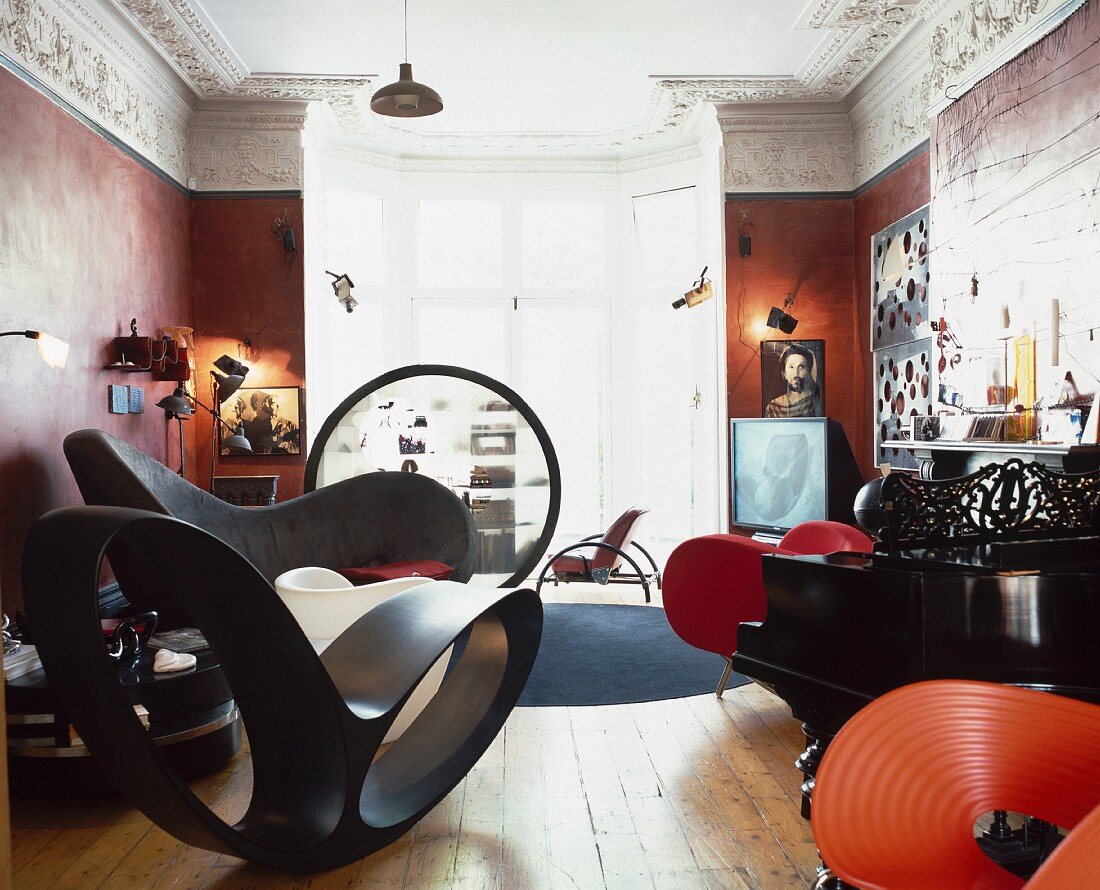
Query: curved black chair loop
x=509, y=395
x=652, y=562
x=601, y=545
x=314, y=725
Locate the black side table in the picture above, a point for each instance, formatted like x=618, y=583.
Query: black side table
x=190, y=715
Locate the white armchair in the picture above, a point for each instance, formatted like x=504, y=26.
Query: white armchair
x=325, y=604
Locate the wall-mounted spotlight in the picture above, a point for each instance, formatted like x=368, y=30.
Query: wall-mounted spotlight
x=342, y=286
x=700, y=292
x=52, y=351
x=782, y=320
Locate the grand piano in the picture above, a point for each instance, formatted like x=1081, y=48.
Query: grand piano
x=994, y=576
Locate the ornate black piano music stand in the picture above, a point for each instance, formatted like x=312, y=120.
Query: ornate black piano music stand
x=988, y=577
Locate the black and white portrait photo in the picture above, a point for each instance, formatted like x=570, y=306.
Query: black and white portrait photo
x=270, y=416
x=792, y=378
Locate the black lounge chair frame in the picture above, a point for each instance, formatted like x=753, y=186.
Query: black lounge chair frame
x=315, y=723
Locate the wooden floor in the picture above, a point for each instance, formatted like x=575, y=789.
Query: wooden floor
x=696, y=792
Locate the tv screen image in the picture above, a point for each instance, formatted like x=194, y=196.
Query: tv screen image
x=779, y=471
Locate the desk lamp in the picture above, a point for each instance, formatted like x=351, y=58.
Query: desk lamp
x=178, y=405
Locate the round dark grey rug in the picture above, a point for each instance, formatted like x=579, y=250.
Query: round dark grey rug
x=611, y=655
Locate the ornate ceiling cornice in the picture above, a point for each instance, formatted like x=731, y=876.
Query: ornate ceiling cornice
x=863, y=32
x=860, y=31
x=549, y=165
x=210, y=68
x=671, y=115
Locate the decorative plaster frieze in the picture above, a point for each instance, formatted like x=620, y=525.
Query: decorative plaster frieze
x=256, y=160
x=968, y=40
x=796, y=154
x=75, y=54
x=972, y=38
x=247, y=147
x=893, y=117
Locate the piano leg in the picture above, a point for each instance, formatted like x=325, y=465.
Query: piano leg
x=809, y=760
x=826, y=880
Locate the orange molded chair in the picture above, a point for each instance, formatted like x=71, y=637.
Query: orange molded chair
x=900, y=787
x=714, y=582
x=603, y=566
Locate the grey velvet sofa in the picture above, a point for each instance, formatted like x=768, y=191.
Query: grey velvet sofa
x=368, y=520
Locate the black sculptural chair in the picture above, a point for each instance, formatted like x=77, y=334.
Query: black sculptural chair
x=368, y=520
x=314, y=722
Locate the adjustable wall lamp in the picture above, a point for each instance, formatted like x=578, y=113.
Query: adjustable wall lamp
x=342, y=286
x=780, y=319
x=53, y=352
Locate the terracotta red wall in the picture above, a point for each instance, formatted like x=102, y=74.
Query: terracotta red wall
x=245, y=288
x=88, y=239
x=803, y=247
x=887, y=201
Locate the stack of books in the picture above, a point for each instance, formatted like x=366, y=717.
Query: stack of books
x=22, y=662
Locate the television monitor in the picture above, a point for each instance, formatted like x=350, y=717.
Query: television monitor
x=784, y=471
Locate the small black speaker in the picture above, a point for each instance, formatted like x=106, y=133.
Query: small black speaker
x=746, y=245
x=289, y=244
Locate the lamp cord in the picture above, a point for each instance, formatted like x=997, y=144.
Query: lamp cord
x=406, y=31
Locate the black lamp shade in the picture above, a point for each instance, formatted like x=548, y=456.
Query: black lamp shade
x=779, y=319
x=237, y=443
x=176, y=403
x=230, y=366
x=227, y=385
x=406, y=97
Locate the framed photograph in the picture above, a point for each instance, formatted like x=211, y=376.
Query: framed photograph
x=792, y=378
x=271, y=416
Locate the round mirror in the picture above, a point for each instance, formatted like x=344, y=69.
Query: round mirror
x=470, y=433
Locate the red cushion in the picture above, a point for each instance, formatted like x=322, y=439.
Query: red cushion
x=568, y=565
x=426, y=568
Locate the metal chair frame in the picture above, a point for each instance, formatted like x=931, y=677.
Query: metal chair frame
x=607, y=576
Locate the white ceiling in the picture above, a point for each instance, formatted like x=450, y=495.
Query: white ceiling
x=525, y=66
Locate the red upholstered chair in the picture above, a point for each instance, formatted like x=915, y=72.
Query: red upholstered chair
x=900, y=787
x=714, y=582
x=608, y=554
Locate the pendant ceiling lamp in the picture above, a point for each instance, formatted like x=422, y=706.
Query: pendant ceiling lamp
x=406, y=98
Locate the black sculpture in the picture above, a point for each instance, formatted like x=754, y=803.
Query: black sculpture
x=314, y=722
x=369, y=520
